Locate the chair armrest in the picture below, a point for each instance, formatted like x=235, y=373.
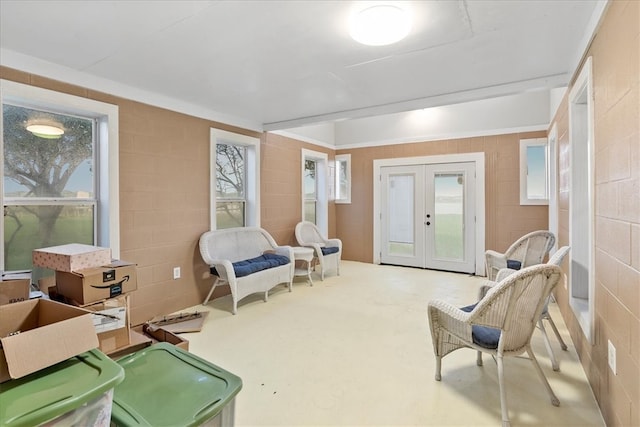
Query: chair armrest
x=451, y=318
x=494, y=261
x=316, y=248
x=504, y=273
x=224, y=267
x=285, y=251
x=332, y=243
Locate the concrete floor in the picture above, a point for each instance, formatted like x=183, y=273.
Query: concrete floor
x=355, y=350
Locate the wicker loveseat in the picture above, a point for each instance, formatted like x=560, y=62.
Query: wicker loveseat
x=248, y=260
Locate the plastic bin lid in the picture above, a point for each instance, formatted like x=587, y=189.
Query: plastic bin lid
x=58, y=389
x=167, y=386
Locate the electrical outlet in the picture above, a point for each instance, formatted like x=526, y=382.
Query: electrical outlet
x=612, y=357
x=176, y=273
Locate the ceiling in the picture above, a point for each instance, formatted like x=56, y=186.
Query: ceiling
x=283, y=64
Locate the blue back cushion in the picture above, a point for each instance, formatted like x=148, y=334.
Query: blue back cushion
x=329, y=251
x=262, y=262
x=482, y=335
x=514, y=264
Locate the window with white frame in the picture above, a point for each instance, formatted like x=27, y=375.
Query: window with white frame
x=533, y=172
x=60, y=173
x=310, y=190
x=315, y=189
x=343, y=178
x=235, y=180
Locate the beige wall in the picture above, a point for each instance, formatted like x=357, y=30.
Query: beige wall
x=505, y=219
x=281, y=186
x=164, y=196
x=616, y=76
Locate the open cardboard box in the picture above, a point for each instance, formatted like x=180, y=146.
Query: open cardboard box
x=39, y=333
x=111, y=321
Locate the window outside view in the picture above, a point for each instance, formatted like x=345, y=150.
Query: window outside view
x=230, y=186
x=49, y=182
x=310, y=191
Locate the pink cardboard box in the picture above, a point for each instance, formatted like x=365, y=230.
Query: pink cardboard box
x=71, y=257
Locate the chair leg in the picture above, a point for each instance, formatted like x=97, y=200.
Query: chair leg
x=479, y=358
x=503, y=393
x=213, y=287
x=438, y=368
x=554, y=400
x=547, y=344
x=555, y=331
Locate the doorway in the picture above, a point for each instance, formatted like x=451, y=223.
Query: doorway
x=427, y=213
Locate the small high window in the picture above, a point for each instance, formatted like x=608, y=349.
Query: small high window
x=533, y=172
x=343, y=178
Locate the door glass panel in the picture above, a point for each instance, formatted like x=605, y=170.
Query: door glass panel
x=401, y=215
x=449, y=216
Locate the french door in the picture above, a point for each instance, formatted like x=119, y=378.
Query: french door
x=427, y=216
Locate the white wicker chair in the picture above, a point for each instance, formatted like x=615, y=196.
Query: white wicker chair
x=221, y=248
x=308, y=234
x=555, y=259
x=528, y=250
x=500, y=324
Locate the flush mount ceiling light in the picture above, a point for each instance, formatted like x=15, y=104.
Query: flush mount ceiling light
x=380, y=25
x=45, y=130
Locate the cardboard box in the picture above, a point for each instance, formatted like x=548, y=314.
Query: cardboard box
x=162, y=335
x=39, y=333
x=14, y=287
x=71, y=257
x=111, y=322
x=137, y=341
x=97, y=284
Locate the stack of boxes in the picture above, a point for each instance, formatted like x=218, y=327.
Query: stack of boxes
x=87, y=277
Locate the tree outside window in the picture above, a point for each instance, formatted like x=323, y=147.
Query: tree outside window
x=230, y=186
x=310, y=191
x=49, y=186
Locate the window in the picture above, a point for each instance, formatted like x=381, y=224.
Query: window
x=230, y=186
x=235, y=180
x=314, y=189
x=533, y=172
x=343, y=178
x=581, y=179
x=310, y=191
x=57, y=188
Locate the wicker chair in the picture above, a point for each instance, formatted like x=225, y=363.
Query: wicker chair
x=528, y=250
x=500, y=324
x=555, y=259
x=326, y=251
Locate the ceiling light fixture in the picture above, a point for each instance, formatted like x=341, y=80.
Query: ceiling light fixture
x=45, y=130
x=380, y=25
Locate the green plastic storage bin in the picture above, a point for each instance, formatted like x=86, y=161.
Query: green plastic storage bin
x=167, y=386
x=76, y=392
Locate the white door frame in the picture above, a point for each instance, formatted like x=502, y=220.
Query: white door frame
x=477, y=158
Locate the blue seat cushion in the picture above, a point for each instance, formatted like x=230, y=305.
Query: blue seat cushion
x=262, y=262
x=330, y=250
x=482, y=335
x=514, y=264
